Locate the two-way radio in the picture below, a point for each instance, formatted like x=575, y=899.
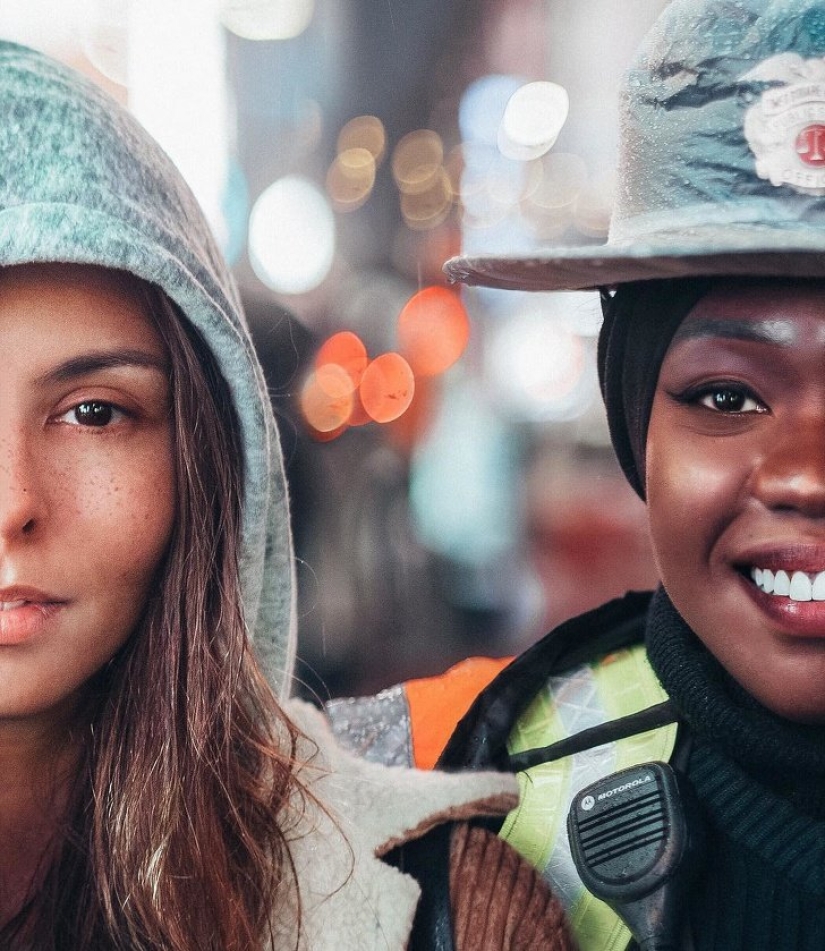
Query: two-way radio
x=637, y=839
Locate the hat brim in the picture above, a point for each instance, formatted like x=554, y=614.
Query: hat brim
x=751, y=252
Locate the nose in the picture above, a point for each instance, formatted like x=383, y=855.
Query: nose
x=790, y=476
x=21, y=506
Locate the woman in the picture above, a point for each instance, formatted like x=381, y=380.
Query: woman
x=712, y=366
x=154, y=793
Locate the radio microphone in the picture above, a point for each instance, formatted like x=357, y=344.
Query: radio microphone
x=637, y=840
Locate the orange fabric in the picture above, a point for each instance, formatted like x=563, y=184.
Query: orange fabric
x=438, y=703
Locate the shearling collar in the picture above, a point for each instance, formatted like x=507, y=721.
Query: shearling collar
x=350, y=899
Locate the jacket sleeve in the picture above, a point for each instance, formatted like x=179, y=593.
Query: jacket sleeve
x=499, y=902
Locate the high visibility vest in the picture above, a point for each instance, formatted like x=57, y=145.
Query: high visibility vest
x=619, y=684
x=410, y=724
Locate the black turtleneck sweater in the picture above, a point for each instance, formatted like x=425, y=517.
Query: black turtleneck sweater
x=761, y=780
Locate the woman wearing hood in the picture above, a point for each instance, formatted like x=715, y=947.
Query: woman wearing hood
x=156, y=789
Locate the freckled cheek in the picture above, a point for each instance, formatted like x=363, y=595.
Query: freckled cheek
x=122, y=513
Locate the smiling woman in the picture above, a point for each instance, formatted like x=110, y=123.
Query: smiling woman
x=735, y=478
x=712, y=366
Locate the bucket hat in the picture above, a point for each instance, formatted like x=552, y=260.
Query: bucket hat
x=721, y=156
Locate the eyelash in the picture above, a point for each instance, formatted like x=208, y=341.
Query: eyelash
x=116, y=414
x=694, y=396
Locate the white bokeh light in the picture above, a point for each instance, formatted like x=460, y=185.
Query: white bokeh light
x=267, y=19
x=177, y=89
x=291, y=236
x=532, y=120
x=104, y=37
x=539, y=368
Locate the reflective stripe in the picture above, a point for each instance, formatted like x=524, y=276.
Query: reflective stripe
x=618, y=685
x=375, y=728
x=410, y=724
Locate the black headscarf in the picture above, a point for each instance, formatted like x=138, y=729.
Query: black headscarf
x=640, y=320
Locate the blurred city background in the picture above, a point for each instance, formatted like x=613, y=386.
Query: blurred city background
x=452, y=483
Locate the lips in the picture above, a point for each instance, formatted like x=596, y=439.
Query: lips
x=24, y=613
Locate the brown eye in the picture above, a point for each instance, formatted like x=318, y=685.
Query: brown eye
x=730, y=399
x=92, y=413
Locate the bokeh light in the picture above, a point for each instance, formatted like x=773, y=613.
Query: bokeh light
x=532, y=120
x=364, y=132
x=351, y=178
x=346, y=351
x=387, y=387
x=551, y=190
x=491, y=186
x=291, y=236
x=433, y=330
x=417, y=161
x=538, y=367
x=327, y=399
x=267, y=19
x=334, y=380
x=427, y=209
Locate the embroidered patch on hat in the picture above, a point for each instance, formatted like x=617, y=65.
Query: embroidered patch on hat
x=785, y=129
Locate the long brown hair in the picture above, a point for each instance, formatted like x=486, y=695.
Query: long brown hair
x=176, y=839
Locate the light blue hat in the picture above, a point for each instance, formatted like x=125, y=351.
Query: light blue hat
x=721, y=161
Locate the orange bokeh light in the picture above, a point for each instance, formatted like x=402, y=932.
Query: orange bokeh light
x=326, y=411
x=334, y=380
x=387, y=387
x=359, y=416
x=345, y=350
x=433, y=330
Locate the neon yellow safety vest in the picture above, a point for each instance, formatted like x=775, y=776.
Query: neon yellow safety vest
x=410, y=723
x=614, y=686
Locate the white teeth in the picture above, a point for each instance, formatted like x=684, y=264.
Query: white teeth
x=799, y=586
x=11, y=605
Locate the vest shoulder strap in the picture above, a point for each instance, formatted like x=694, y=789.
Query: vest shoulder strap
x=481, y=737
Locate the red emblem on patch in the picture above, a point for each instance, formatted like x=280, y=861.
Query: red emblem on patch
x=810, y=145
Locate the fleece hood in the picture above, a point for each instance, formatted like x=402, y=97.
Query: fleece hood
x=82, y=182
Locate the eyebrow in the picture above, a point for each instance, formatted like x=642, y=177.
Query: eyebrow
x=775, y=332
x=93, y=362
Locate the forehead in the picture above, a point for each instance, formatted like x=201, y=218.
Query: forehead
x=776, y=312
x=50, y=307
